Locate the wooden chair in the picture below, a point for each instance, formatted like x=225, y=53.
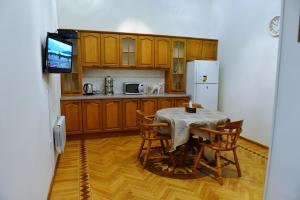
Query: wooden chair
x=150, y=131
x=195, y=105
x=224, y=138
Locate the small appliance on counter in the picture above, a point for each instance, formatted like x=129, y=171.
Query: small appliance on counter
x=109, y=85
x=88, y=89
x=133, y=88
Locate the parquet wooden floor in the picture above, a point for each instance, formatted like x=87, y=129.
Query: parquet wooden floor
x=107, y=168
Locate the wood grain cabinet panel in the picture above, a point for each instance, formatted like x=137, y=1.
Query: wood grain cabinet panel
x=112, y=115
x=180, y=101
x=145, y=51
x=129, y=114
x=90, y=49
x=110, y=50
x=209, y=50
x=92, y=116
x=165, y=103
x=73, y=112
x=194, y=49
x=149, y=106
x=162, y=52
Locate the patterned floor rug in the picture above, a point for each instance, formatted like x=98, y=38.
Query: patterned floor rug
x=161, y=165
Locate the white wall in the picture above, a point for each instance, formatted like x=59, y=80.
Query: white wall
x=248, y=57
x=27, y=156
x=247, y=52
x=283, y=179
x=176, y=17
x=147, y=77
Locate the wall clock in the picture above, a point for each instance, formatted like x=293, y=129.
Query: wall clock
x=274, y=26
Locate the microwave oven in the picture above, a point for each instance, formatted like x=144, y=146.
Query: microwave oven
x=133, y=88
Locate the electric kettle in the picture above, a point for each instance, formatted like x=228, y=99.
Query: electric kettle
x=88, y=89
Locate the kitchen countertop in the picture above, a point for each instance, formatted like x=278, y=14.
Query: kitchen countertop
x=121, y=96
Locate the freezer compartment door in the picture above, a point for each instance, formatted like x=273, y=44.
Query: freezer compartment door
x=207, y=96
x=207, y=72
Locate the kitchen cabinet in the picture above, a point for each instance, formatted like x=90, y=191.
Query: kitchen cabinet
x=129, y=113
x=98, y=116
x=162, y=52
x=90, y=49
x=165, y=103
x=180, y=101
x=110, y=50
x=112, y=115
x=71, y=82
x=209, y=50
x=175, y=77
x=73, y=112
x=194, y=49
x=92, y=116
x=145, y=51
x=128, y=50
x=149, y=106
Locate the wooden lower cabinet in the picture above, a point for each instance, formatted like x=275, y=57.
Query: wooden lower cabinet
x=165, y=103
x=92, y=116
x=149, y=106
x=180, y=101
x=112, y=115
x=129, y=114
x=96, y=116
x=73, y=112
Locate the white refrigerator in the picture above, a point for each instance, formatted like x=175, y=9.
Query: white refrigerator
x=202, y=82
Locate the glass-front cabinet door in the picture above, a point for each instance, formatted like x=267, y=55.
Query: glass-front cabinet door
x=71, y=82
x=177, y=72
x=128, y=49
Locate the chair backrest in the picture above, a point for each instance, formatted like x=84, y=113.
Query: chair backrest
x=147, y=128
x=231, y=132
x=195, y=105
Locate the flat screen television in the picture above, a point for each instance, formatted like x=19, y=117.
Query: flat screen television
x=58, y=54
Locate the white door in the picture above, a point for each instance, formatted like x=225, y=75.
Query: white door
x=207, y=96
x=207, y=71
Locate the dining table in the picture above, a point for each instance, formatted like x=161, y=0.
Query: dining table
x=181, y=122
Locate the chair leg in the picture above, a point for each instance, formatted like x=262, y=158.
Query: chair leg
x=198, y=157
x=172, y=157
x=147, y=153
x=141, y=148
x=219, y=168
x=237, y=164
x=163, y=146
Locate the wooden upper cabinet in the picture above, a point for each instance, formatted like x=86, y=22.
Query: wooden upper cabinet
x=165, y=103
x=90, y=49
x=110, y=50
x=194, y=49
x=162, y=52
x=92, y=116
x=180, y=101
x=112, y=115
x=128, y=50
x=129, y=114
x=73, y=113
x=145, y=51
x=209, y=50
x=149, y=106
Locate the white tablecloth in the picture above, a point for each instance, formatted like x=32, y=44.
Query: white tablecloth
x=180, y=122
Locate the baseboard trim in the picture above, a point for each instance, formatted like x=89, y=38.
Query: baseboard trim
x=102, y=135
x=254, y=142
x=52, y=180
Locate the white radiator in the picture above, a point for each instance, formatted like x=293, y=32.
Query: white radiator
x=59, y=132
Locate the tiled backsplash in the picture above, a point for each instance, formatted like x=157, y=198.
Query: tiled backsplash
x=147, y=77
